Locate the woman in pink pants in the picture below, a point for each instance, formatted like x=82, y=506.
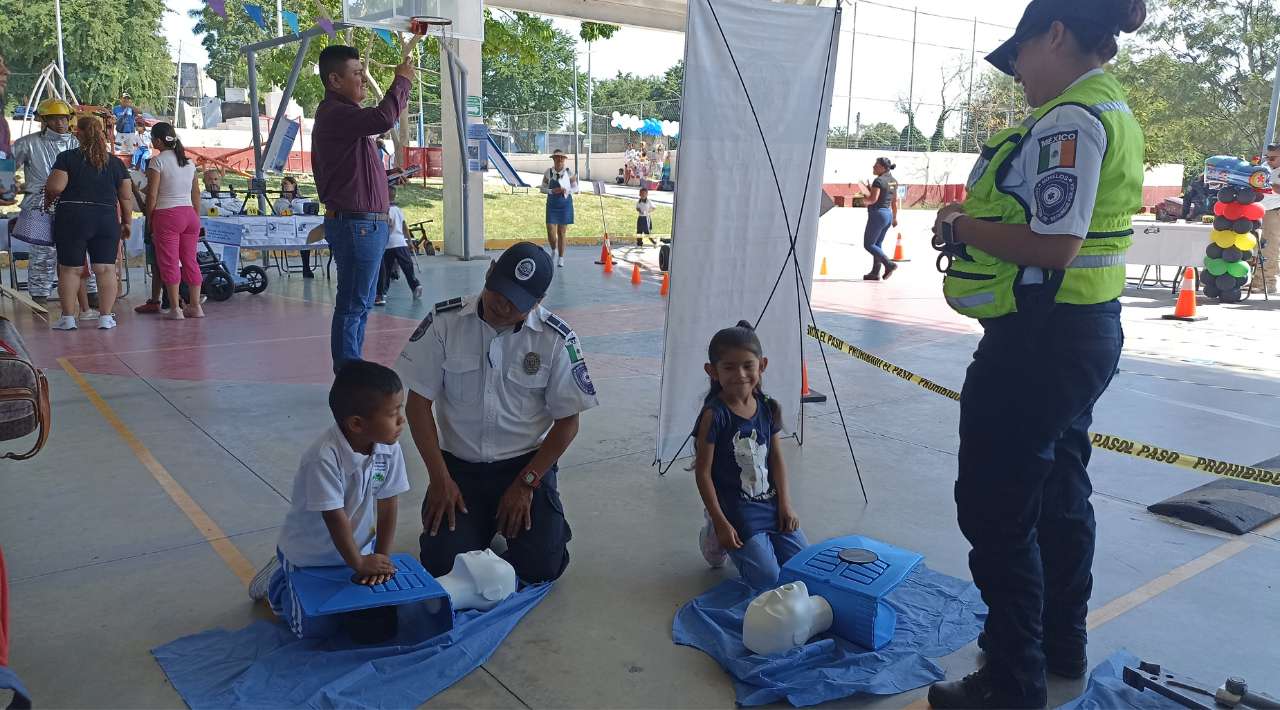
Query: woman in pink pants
x=172, y=199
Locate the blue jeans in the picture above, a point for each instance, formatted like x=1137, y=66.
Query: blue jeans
x=1022, y=495
x=357, y=247
x=761, y=557
x=878, y=223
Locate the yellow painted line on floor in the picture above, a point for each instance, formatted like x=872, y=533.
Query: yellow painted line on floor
x=200, y=519
x=1122, y=604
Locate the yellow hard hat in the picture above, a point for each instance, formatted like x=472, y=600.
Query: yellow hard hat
x=54, y=107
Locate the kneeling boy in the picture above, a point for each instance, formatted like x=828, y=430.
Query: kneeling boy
x=344, y=495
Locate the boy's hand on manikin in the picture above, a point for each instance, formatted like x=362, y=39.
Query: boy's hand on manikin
x=788, y=521
x=727, y=536
x=375, y=569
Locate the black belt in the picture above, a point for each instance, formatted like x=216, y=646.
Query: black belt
x=360, y=216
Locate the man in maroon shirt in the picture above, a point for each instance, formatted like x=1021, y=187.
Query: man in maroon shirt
x=352, y=185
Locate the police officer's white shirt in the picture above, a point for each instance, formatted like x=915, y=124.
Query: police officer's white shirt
x=1271, y=201
x=495, y=395
x=297, y=205
x=1056, y=172
x=227, y=205
x=331, y=476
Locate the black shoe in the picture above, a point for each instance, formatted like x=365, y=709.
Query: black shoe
x=889, y=271
x=1072, y=666
x=976, y=691
x=308, y=274
x=871, y=277
x=380, y=301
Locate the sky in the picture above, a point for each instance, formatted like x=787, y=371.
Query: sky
x=882, y=52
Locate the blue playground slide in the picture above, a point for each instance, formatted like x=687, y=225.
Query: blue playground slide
x=499, y=160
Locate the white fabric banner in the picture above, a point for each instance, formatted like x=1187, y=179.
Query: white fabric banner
x=731, y=232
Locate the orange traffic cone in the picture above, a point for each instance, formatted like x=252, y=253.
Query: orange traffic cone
x=635, y=275
x=1186, y=308
x=823, y=270
x=666, y=285
x=607, y=258
x=898, y=253
x=605, y=255
x=804, y=379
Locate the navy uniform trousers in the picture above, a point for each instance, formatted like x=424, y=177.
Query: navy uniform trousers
x=1023, y=490
x=539, y=554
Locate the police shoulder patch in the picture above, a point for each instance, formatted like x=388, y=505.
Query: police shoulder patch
x=583, y=379
x=1055, y=195
x=450, y=305
x=422, y=328
x=558, y=325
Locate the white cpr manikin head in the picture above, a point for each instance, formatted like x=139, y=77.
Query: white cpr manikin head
x=784, y=618
x=479, y=580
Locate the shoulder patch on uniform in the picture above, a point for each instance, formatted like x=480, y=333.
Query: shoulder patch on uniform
x=558, y=325
x=450, y=305
x=1055, y=195
x=1057, y=151
x=423, y=327
x=583, y=379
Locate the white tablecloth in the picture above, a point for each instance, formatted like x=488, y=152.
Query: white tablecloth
x=1168, y=243
x=255, y=232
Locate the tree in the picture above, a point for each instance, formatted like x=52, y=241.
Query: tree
x=515, y=87
x=108, y=48
x=949, y=97
x=879, y=136
x=997, y=103
x=1199, y=80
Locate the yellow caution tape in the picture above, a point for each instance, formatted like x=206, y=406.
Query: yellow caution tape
x=1106, y=442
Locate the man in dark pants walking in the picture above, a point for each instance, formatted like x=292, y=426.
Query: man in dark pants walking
x=496, y=384
x=352, y=185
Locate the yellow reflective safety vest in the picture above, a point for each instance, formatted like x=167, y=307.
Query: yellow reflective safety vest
x=982, y=287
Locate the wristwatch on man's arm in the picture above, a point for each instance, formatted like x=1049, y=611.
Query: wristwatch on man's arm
x=531, y=478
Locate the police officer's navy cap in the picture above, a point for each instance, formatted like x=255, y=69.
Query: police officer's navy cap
x=1040, y=15
x=522, y=274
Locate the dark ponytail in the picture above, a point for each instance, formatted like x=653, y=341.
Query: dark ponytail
x=165, y=133
x=1098, y=35
x=740, y=337
x=885, y=163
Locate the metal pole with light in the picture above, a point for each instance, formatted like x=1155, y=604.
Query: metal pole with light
x=589, y=114
x=575, y=106
x=1271, y=116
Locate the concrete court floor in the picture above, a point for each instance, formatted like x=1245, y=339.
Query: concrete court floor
x=104, y=564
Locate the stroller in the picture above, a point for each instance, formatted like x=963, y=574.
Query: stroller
x=218, y=283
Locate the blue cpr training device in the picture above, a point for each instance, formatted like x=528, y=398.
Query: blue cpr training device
x=854, y=574
x=329, y=590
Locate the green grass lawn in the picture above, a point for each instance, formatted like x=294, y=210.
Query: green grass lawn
x=507, y=215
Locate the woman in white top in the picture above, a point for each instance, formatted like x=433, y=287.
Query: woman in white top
x=172, y=198
x=558, y=184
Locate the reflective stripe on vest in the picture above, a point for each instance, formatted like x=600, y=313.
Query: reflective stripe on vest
x=1097, y=274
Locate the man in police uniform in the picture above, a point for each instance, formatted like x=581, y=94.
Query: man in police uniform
x=214, y=196
x=496, y=384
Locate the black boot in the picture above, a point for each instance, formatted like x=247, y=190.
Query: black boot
x=1072, y=665
x=977, y=690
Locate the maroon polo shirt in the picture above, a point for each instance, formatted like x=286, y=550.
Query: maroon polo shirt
x=344, y=153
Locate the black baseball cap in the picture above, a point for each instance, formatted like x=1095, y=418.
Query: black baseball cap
x=522, y=274
x=1039, y=16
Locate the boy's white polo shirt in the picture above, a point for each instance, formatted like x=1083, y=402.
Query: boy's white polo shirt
x=332, y=476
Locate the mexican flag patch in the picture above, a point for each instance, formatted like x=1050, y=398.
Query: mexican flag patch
x=1058, y=151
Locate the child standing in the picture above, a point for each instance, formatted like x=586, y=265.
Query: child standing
x=397, y=253
x=644, y=223
x=344, y=496
x=739, y=468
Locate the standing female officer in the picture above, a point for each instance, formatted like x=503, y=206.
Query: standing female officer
x=1037, y=254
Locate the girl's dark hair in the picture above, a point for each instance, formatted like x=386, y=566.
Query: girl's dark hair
x=166, y=134
x=740, y=337
x=885, y=163
x=1098, y=35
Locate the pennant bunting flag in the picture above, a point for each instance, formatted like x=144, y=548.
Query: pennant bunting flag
x=219, y=7
x=386, y=37
x=324, y=22
x=290, y=19
x=255, y=13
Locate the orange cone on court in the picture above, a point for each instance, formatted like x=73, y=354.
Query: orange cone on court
x=635, y=274
x=666, y=285
x=1186, y=308
x=898, y=253
x=606, y=258
x=604, y=250
x=823, y=270
x=804, y=379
